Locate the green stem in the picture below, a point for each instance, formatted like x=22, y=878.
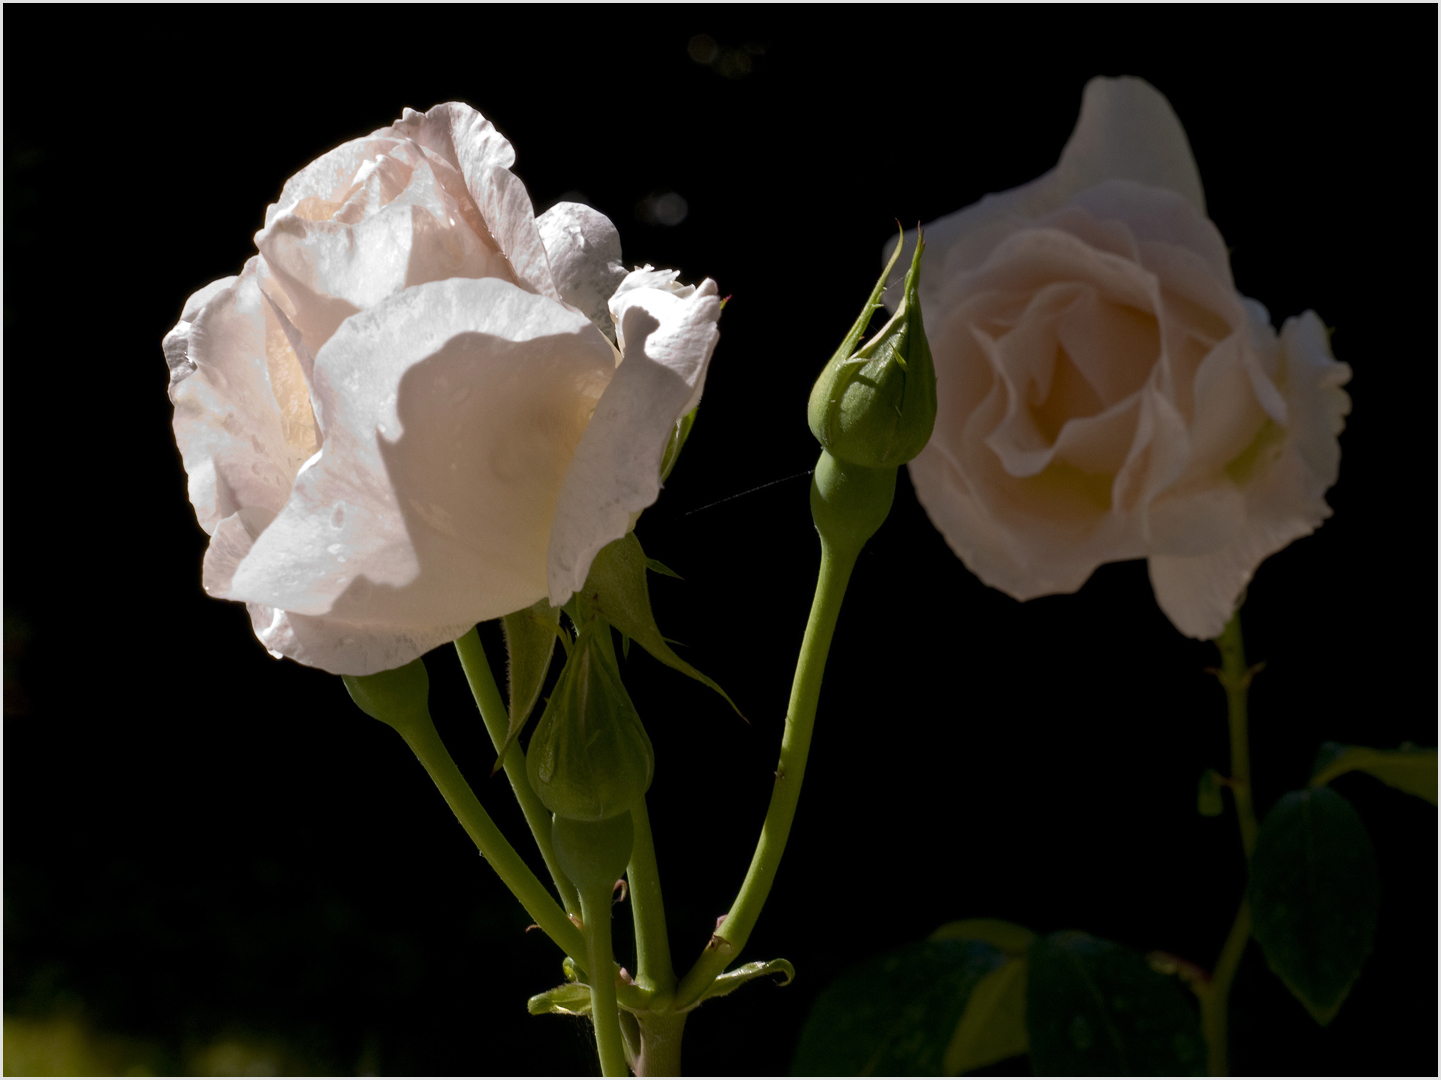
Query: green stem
x=652, y=945
x=1214, y=1000
x=731, y=936
x=1235, y=677
x=604, y=1014
x=420, y=735
x=660, y=1038
x=492, y=710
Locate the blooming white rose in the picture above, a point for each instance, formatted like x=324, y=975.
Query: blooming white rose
x=409, y=413
x=1104, y=392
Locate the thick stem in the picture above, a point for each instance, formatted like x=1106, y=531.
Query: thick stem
x=1214, y=1001
x=604, y=1014
x=492, y=710
x=422, y=738
x=731, y=936
x=652, y=946
x=660, y=1038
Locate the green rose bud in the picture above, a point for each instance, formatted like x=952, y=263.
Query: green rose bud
x=875, y=406
x=590, y=757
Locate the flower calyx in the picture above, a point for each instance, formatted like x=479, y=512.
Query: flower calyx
x=875, y=405
x=398, y=697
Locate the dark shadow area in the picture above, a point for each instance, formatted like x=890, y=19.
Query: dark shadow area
x=213, y=860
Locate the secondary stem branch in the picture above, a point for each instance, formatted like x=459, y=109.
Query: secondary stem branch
x=731, y=936
x=422, y=738
x=492, y=710
x=652, y=945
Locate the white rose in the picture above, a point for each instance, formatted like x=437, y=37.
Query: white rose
x=408, y=413
x=1104, y=392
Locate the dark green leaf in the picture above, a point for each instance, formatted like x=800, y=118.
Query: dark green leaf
x=1011, y=939
x=1208, y=795
x=529, y=641
x=616, y=589
x=1314, y=896
x=993, y=1027
x=1095, y=1008
x=1411, y=769
x=895, y=1014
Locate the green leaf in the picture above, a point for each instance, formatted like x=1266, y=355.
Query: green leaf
x=1011, y=939
x=1095, y=1008
x=529, y=642
x=1314, y=896
x=567, y=999
x=1208, y=795
x=677, y=439
x=894, y=1015
x=993, y=1027
x=1411, y=769
x=616, y=589
x=734, y=980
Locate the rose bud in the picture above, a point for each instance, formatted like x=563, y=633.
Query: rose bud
x=590, y=757
x=875, y=406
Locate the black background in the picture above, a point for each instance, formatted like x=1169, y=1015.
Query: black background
x=204, y=843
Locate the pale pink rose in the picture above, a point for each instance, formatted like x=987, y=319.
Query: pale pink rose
x=1105, y=393
x=408, y=413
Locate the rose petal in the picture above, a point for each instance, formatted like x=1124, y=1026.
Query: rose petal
x=334, y=268
x=484, y=156
x=242, y=416
x=1284, y=486
x=1127, y=130
x=668, y=341
x=345, y=648
x=584, y=251
x=451, y=412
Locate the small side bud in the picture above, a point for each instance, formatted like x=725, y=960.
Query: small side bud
x=875, y=406
x=394, y=697
x=590, y=757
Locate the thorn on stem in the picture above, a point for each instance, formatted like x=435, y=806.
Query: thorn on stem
x=578, y=924
x=532, y=926
x=721, y=918
x=621, y=887
x=720, y=945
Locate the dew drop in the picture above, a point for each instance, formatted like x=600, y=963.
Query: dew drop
x=333, y=549
x=337, y=516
